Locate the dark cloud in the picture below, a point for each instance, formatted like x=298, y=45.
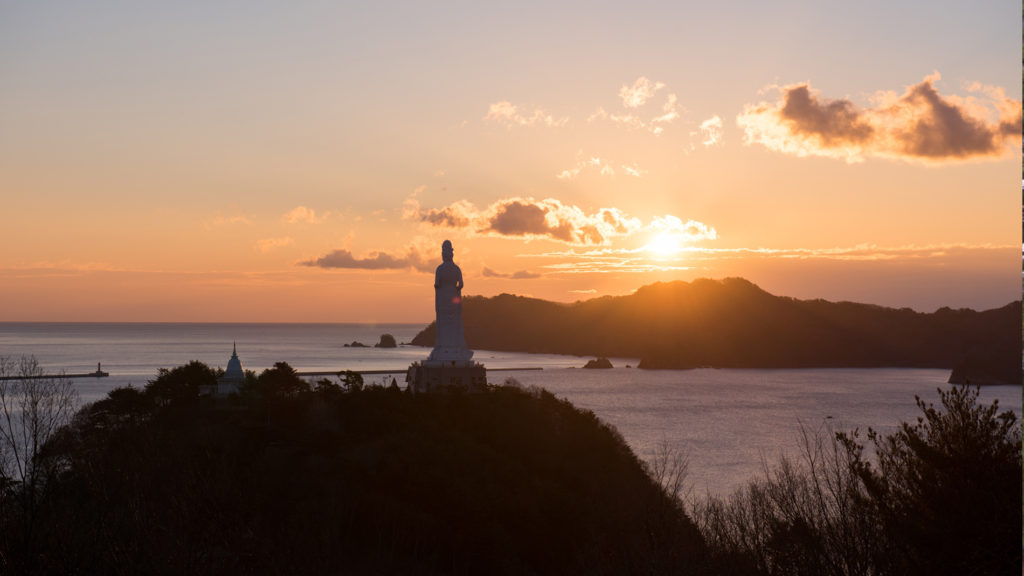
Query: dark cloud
x=520, y=275
x=375, y=261
x=552, y=219
x=834, y=122
x=519, y=219
x=524, y=275
x=920, y=124
x=448, y=217
x=941, y=129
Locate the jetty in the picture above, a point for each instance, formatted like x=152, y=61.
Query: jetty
x=399, y=371
x=99, y=373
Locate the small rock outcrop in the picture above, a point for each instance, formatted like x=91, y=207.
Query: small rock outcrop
x=601, y=363
x=356, y=344
x=386, y=341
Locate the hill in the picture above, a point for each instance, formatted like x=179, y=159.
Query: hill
x=733, y=323
x=289, y=479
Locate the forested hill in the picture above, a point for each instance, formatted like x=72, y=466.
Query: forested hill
x=734, y=323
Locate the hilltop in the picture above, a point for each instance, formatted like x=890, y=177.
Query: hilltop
x=341, y=479
x=732, y=323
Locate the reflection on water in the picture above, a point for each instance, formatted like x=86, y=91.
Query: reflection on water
x=732, y=422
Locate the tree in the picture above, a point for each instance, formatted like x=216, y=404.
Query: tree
x=326, y=387
x=180, y=385
x=33, y=406
x=281, y=381
x=805, y=516
x=941, y=495
x=947, y=489
x=351, y=381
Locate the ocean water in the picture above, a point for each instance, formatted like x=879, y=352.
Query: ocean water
x=728, y=423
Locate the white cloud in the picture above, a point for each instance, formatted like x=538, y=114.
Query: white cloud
x=639, y=93
x=267, y=244
x=636, y=97
x=601, y=166
x=633, y=170
x=304, y=215
x=510, y=115
x=711, y=131
x=219, y=220
x=690, y=231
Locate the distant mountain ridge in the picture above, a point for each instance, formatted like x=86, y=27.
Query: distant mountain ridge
x=732, y=323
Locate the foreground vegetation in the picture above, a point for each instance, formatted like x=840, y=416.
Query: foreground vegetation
x=942, y=495
x=340, y=477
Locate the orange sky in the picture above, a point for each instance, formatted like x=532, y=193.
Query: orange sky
x=188, y=163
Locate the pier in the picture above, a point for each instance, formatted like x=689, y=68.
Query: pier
x=99, y=373
x=399, y=371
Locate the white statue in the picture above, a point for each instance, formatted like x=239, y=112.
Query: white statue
x=450, y=345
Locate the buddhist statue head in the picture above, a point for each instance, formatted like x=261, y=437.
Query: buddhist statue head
x=447, y=252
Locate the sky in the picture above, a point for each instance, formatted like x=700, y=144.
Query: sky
x=264, y=162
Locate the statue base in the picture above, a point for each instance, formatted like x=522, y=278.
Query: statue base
x=437, y=376
x=448, y=354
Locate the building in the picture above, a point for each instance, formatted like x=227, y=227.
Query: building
x=232, y=380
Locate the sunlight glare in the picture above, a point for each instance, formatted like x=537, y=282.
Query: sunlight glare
x=664, y=245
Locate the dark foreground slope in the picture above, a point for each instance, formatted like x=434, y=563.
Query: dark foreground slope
x=733, y=323
x=325, y=481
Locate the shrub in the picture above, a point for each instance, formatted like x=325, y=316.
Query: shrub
x=942, y=496
x=947, y=489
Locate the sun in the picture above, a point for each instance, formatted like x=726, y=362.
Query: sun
x=664, y=245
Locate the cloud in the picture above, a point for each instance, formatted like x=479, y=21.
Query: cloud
x=711, y=131
x=518, y=218
x=219, y=220
x=637, y=112
x=606, y=259
x=633, y=170
x=590, y=291
x=302, y=214
x=669, y=111
x=528, y=218
x=601, y=166
x=691, y=230
x=520, y=275
x=459, y=214
x=637, y=95
x=510, y=115
x=918, y=125
x=550, y=219
x=614, y=266
x=374, y=261
x=267, y=244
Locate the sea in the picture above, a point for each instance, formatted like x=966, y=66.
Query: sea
x=731, y=425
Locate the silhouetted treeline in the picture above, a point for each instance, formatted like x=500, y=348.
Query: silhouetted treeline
x=294, y=478
x=733, y=323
